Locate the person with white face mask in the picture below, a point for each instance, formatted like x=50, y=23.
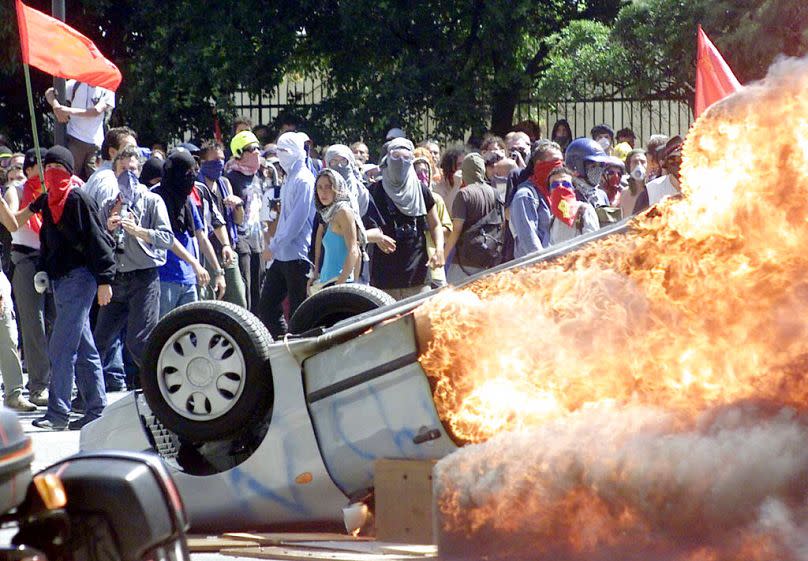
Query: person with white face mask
x=637, y=168
x=404, y=210
x=604, y=135
x=289, y=247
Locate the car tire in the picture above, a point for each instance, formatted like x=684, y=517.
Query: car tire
x=206, y=371
x=337, y=303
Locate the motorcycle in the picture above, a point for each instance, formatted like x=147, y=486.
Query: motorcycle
x=101, y=506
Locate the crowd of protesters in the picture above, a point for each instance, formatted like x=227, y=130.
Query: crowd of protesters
x=114, y=236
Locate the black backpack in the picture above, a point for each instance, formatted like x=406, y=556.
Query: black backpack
x=481, y=246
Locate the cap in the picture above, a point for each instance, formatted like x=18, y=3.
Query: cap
x=30, y=157
x=59, y=155
x=672, y=148
x=395, y=132
x=241, y=140
x=190, y=147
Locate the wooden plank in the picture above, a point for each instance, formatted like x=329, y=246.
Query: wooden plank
x=410, y=549
x=404, y=501
x=299, y=554
x=206, y=544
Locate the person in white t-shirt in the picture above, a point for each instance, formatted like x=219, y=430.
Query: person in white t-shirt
x=84, y=114
x=670, y=158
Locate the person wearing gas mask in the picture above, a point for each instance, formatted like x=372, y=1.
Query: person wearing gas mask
x=137, y=219
x=404, y=210
x=289, y=247
x=637, y=168
x=670, y=158
x=182, y=270
x=603, y=135
x=77, y=255
x=246, y=185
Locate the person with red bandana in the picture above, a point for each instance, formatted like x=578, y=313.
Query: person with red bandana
x=570, y=217
x=529, y=210
x=77, y=255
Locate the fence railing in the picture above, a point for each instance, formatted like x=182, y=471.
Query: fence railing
x=644, y=116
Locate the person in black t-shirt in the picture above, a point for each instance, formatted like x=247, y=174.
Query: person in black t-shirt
x=403, y=210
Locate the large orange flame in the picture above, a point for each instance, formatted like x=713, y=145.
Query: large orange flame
x=701, y=307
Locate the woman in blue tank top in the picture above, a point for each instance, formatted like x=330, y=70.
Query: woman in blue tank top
x=343, y=235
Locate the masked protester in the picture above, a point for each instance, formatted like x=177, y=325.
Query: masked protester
x=288, y=274
x=341, y=159
x=612, y=182
x=226, y=215
x=404, y=210
x=246, y=185
x=670, y=157
x=138, y=221
x=77, y=255
x=637, y=168
x=604, y=135
x=25, y=255
x=529, y=216
x=182, y=270
x=570, y=217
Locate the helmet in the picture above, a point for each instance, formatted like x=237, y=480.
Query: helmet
x=583, y=150
x=242, y=139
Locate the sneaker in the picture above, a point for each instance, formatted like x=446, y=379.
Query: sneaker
x=18, y=402
x=79, y=423
x=45, y=423
x=77, y=405
x=114, y=385
x=39, y=397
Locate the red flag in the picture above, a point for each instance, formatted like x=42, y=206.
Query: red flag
x=714, y=77
x=58, y=49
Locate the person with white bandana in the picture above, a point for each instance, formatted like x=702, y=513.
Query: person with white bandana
x=404, y=210
x=288, y=274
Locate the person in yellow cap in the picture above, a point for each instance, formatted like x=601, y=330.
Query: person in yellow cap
x=246, y=186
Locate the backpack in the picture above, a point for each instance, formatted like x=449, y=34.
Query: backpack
x=482, y=245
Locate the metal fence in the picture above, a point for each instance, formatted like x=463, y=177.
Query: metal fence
x=644, y=116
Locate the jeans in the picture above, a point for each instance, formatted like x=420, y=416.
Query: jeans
x=256, y=277
x=173, y=295
x=9, y=359
x=135, y=306
x=81, y=151
x=31, y=316
x=283, y=278
x=72, y=350
x=458, y=274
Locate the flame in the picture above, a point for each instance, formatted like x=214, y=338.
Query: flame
x=699, y=307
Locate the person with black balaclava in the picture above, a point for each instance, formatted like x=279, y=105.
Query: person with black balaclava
x=77, y=255
x=403, y=209
x=182, y=270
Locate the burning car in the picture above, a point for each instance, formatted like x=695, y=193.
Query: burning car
x=639, y=392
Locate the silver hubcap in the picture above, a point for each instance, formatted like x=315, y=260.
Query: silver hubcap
x=201, y=372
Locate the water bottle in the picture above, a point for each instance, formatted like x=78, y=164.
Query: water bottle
x=119, y=233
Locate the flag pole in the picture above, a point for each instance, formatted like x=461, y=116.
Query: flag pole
x=33, y=123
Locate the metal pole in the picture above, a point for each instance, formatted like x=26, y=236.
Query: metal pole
x=33, y=123
x=59, y=129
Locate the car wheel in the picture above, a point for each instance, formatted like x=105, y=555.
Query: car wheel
x=336, y=303
x=207, y=372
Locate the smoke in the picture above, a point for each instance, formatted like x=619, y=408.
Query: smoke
x=608, y=482
x=645, y=396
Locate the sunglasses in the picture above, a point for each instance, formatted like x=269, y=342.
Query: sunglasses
x=556, y=184
x=249, y=149
x=611, y=172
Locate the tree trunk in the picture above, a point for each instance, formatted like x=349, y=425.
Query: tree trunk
x=502, y=110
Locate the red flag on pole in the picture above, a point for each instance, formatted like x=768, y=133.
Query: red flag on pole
x=714, y=77
x=58, y=49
